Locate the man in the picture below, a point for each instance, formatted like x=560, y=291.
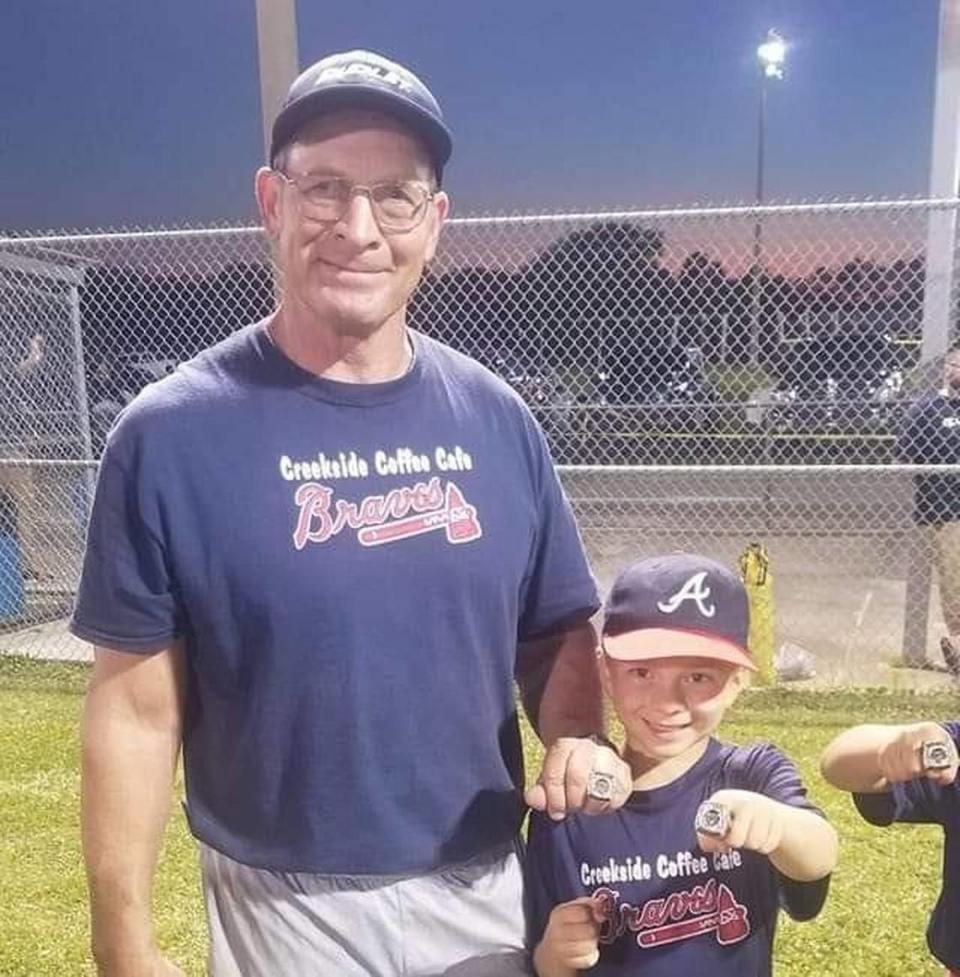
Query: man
x=25, y=394
x=931, y=436
x=313, y=551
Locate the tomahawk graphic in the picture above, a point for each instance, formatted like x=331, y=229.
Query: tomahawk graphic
x=729, y=922
x=457, y=517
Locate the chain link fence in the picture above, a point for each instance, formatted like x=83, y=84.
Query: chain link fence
x=707, y=378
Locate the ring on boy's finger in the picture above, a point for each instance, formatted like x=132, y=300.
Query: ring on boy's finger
x=713, y=819
x=601, y=785
x=936, y=755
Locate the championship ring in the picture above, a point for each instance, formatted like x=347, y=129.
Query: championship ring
x=712, y=819
x=601, y=785
x=935, y=755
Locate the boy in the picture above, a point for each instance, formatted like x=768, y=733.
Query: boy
x=688, y=877
x=909, y=773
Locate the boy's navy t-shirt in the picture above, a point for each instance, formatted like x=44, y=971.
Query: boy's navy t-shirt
x=351, y=567
x=924, y=802
x=671, y=908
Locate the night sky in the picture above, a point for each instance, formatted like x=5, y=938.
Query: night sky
x=135, y=113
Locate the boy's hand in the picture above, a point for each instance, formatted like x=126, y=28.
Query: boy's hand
x=755, y=823
x=902, y=758
x=571, y=939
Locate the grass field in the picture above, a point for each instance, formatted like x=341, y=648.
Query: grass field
x=874, y=922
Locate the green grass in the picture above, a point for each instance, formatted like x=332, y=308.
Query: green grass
x=874, y=922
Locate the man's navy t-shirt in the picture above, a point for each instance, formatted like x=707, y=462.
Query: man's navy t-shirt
x=669, y=907
x=924, y=802
x=351, y=567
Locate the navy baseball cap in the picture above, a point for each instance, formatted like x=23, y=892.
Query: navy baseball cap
x=678, y=605
x=362, y=79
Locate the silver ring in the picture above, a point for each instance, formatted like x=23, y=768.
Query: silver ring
x=601, y=785
x=713, y=819
x=935, y=755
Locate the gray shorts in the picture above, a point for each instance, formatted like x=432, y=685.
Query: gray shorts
x=463, y=921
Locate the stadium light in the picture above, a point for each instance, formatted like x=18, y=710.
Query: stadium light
x=772, y=54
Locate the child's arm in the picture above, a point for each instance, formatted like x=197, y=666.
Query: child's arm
x=571, y=939
x=869, y=759
x=800, y=843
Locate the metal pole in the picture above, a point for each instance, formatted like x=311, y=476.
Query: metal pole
x=757, y=268
x=278, y=58
x=80, y=376
x=944, y=178
x=83, y=401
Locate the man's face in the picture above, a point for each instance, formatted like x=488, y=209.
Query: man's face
x=349, y=274
x=669, y=705
x=951, y=371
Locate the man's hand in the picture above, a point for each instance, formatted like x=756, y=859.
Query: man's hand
x=756, y=823
x=571, y=939
x=902, y=759
x=565, y=783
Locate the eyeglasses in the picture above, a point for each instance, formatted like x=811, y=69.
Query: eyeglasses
x=398, y=206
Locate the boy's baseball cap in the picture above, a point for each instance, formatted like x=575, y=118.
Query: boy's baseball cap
x=363, y=79
x=677, y=605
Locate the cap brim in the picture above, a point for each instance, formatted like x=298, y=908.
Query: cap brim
x=650, y=643
x=295, y=116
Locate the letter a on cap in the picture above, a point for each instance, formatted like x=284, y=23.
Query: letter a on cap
x=694, y=589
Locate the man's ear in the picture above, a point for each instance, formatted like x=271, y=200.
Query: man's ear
x=266, y=188
x=440, y=212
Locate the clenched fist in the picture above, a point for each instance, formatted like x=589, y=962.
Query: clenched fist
x=901, y=758
x=756, y=823
x=571, y=939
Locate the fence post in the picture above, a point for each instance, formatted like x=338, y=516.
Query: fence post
x=916, y=609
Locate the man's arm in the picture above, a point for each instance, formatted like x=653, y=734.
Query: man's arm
x=132, y=722
x=913, y=438
x=560, y=688
x=560, y=685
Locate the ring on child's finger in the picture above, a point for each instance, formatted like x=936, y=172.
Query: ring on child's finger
x=601, y=785
x=713, y=819
x=936, y=755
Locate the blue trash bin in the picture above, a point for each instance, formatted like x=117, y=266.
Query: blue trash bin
x=11, y=561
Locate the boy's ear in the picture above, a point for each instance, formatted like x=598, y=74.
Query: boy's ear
x=738, y=681
x=603, y=668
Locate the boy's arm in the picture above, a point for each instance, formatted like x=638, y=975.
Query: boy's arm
x=800, y=843
x=809, y=846
x=869, y=759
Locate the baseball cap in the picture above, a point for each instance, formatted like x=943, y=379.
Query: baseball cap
x=363, y=79
x=678, y=604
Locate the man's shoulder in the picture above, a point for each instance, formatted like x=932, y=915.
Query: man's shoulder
x=210, y=380
x=456, y=365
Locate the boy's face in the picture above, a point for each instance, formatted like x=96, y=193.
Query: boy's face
x=669, y=705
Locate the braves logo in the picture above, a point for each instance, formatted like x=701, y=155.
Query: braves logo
x=709, y=908
x=694, y=589
x=399, y=514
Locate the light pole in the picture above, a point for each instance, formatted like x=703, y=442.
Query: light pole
x=771, y=55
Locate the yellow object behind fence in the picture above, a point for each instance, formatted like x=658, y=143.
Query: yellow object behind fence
x=754, y=567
